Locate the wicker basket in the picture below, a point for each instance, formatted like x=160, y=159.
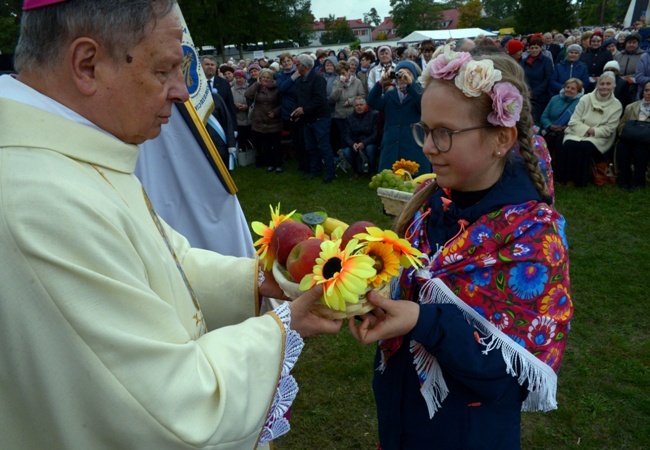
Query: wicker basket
x=393, y=200
x=292, y=291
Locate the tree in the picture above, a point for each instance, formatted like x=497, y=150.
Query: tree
x=10, y=13
x=601, y=12
x=534, y=16
x=372, y=18
x=226, y=22
x=338, y=31
x=470, y=14
x=411, y=15
x=500, y=9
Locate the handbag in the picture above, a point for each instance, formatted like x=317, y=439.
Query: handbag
x=636, y=131
x=251, y=108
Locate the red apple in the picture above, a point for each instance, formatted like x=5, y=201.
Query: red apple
x=286, y=236
x=302, y=258
x=355, y=228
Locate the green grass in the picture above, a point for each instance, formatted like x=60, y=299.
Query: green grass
x=603, y=394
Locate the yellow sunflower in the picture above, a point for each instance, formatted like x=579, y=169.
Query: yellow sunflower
x=386, y=262
x=343, y=274
x=266, y=233
x=320, y=233
x=409, y=166
x=407, y=254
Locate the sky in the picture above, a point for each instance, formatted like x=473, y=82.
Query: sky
x=351, y=9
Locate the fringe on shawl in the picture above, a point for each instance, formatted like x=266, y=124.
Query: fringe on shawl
x=520, y=363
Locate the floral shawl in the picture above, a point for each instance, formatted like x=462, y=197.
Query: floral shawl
x=509, y=274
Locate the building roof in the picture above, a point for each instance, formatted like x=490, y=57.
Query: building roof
x=355, y=24
x=448, y=15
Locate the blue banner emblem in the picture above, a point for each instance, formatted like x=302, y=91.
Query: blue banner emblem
x=190, y=68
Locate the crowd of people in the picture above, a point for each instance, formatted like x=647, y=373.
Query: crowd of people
x=561, y=69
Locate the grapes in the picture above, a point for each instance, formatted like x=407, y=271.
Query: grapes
x=387, y=179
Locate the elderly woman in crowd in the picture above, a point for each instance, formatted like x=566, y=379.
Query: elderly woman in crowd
x=620, y=40
x=515, y=48
x=570, y=67
x=238, y=89
x=401, y=107
x=253, y=73
x=346, y=88
x=595, y=57
x=633, y=153
x=610, y=46
x=228, y=73
x=623, y=90
x=590, y=133
x=286, y=82
x=365, y=65
x=538, y=70
x=557, y=114
x=384, y=65
x=629, y=57
x=267, y=123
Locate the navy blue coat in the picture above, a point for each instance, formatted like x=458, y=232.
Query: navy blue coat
x=483, y=407
x=538, y=77
x=398, y=141
x=287, y=87
x=565, y=70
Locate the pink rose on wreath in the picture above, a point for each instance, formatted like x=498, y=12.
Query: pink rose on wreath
x=447, y=65
x=506, y=105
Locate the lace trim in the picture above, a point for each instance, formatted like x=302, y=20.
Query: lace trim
x=276, y=423
x=260, y=276
x=520, y=363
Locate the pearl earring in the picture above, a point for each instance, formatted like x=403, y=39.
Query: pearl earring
x=498, y=153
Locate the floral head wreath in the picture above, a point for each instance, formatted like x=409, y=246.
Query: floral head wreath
x=474, y=78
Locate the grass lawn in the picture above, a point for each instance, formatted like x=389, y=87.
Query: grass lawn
x=603, y=395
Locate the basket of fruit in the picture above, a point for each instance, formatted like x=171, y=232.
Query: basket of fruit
x=305, y=250
x=395, y=187
x=393, y=200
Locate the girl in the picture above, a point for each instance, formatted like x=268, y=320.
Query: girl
x=481, y=329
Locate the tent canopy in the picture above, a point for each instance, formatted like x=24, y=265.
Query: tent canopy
x=441, y=35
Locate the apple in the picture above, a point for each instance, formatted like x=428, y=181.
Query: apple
x=286, y=236
x=355, y=228
x=302, y=258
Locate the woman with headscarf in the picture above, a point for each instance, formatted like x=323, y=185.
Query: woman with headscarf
x=401, y=107
x=590, y=133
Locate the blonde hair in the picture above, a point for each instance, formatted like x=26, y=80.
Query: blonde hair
x=512, y=73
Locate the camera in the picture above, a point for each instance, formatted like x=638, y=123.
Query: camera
x=395, y=75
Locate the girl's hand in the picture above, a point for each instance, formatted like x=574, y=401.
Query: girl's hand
x=391, y=318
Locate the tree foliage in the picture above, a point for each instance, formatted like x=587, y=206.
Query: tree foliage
x=412, y=15
x=226, y=22
x=372, y=18
x=601, y=12
x=470, y=14
x=534, y=16
x=10, y=13
x=337, y=31
x=500, y=9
